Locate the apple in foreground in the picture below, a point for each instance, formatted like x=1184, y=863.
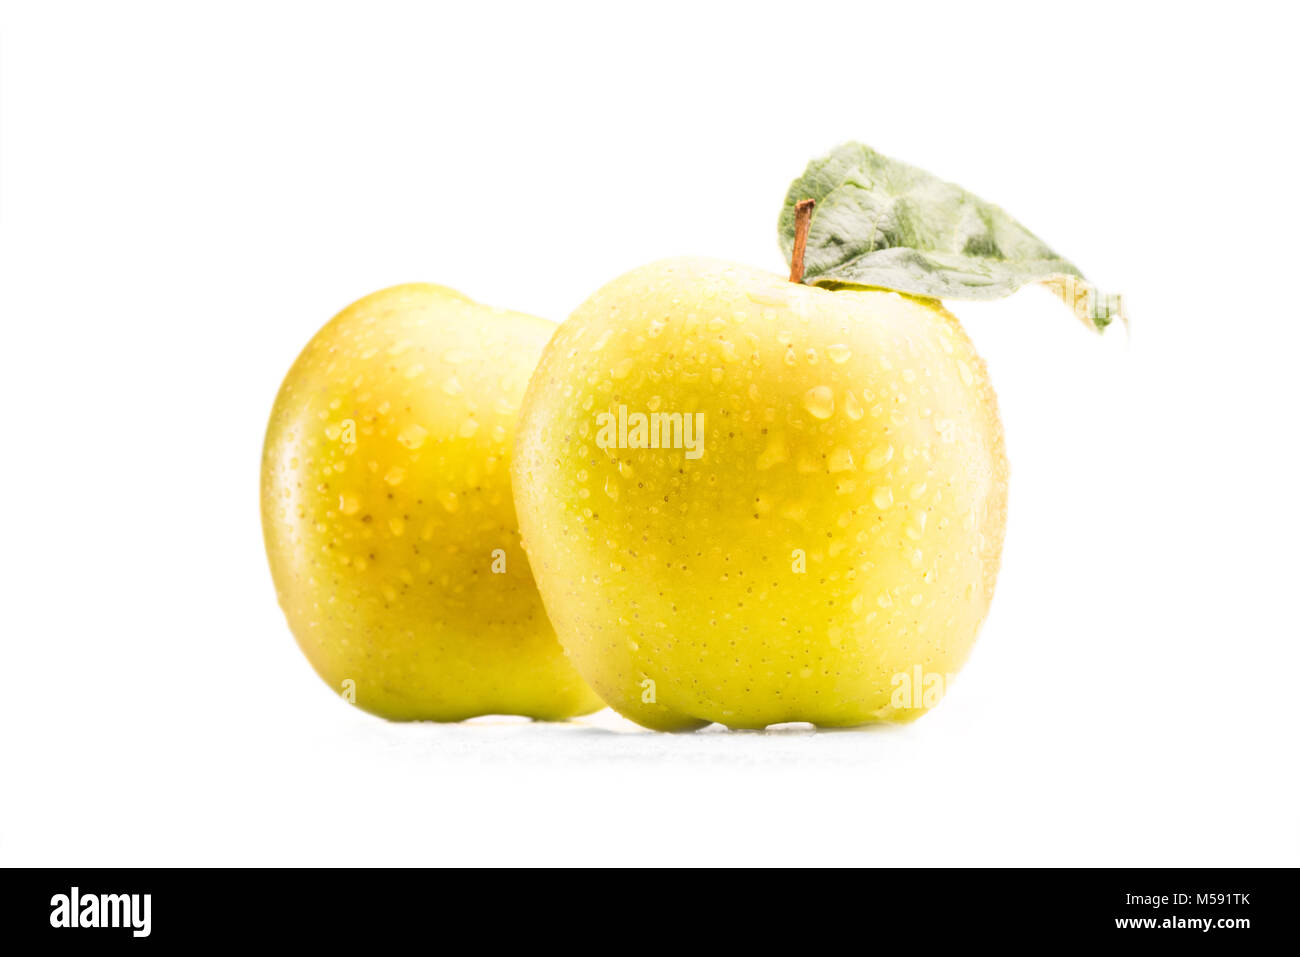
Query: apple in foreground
x=752, y=501
x=388, y=518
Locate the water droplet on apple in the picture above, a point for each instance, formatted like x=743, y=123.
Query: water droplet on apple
x=852, y=408
x=879, y=457
x=820, y=401
x=413, y=436
x=840, y=460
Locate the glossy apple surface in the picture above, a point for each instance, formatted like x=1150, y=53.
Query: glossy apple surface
x=829, y=553
x=388, y=517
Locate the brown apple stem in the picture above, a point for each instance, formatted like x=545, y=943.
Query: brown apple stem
x=802, y=217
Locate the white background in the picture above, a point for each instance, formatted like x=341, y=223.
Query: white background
x=186, y=197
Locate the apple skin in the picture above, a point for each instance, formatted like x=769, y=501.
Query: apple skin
x=858, y=429
x=386, y=492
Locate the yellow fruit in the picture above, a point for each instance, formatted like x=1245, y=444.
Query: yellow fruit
x=826, y=554
x=387, y=512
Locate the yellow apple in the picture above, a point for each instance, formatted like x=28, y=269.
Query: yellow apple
x=388, y=518
x=752, y=501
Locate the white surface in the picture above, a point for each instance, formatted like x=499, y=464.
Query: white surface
x=185, y=198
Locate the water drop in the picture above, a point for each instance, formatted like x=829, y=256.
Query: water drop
x=852, y=408
x=879, y=457
x=820, y=401
x=413, y=436
x=840, y=460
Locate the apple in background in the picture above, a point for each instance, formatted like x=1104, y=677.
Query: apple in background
x=827, y=553
x=388, y=517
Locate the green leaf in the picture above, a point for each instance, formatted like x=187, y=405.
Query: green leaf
x=882, y=223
